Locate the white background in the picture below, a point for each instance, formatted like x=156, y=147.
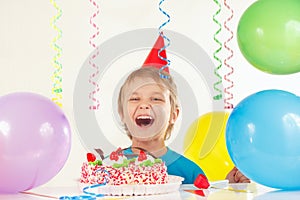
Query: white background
x=26, y=54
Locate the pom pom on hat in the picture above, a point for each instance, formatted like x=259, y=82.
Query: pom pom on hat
x=153, y=60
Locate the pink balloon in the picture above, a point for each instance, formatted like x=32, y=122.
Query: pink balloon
x=35, y=141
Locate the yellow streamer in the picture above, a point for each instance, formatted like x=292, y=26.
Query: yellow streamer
x=57, y=75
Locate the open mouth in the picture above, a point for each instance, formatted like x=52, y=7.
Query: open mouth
x=143, y=121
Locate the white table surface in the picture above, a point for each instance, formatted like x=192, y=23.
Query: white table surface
x=252, y=191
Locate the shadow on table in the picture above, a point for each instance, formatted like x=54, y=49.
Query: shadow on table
x=279, y=195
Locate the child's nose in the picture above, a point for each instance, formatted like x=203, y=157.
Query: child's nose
x=144, y=106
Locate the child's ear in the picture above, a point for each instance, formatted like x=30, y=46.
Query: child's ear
x=174, y=115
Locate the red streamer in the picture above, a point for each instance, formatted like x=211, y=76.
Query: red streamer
x=228, y=105
x=96, y=102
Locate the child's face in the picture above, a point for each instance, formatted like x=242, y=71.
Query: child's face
x=146, y=109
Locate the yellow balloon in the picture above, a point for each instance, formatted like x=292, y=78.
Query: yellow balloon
x=205, y=144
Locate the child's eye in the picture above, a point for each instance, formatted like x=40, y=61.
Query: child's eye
x=134, y=99
x=157, y=99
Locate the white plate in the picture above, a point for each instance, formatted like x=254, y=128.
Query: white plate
x=173, y=185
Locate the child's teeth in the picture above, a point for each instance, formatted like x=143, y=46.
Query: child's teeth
x=144, y=117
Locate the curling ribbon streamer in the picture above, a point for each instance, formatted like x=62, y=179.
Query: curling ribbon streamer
x=89, y=195
x=219, y=95
x=92, y=64
x=166, y=38
x=56, y=77
x=228, y=105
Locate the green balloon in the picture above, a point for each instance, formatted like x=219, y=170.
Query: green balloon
x=268, y=36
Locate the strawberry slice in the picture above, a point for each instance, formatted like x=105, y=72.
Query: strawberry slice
x=201, y=182
x=197, y=192
x=114, y=156
x=90, y=157
x=142, y=156
x=119, y=151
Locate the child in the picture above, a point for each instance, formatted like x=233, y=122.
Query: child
x=148, y=107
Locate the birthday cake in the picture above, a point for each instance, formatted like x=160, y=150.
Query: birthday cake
x=120, y=174
x=119, y=170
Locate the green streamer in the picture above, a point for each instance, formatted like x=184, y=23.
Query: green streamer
x=219, y=95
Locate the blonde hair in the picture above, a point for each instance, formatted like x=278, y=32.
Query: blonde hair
x=167, y=83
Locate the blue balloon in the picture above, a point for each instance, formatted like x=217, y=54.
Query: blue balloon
x=263, y=138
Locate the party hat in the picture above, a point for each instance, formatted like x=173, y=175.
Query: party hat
x=153, y=60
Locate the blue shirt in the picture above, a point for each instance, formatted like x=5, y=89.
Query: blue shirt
x=178, y=165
